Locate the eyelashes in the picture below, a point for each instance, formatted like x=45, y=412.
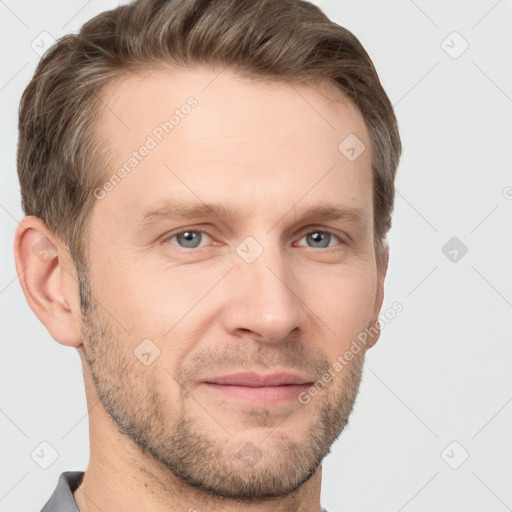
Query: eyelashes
x=192, y=238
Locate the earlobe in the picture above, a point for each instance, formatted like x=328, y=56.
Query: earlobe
x=382, y=268
x=40, y=266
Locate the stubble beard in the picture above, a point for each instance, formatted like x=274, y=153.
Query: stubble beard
x=231, y=468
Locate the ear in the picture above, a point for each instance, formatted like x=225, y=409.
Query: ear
x=382, y=268
x=48, y=280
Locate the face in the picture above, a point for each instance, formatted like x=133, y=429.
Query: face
x=229, y=269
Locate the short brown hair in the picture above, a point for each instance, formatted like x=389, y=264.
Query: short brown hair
x=277, y=40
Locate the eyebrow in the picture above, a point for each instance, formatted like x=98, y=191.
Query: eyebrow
x=183, y=210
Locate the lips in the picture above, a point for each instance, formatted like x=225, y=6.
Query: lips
x=259, y=389
x=253, y=379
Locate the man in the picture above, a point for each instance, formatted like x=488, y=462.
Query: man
x=208, y=187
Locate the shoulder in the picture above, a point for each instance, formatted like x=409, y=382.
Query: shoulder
x=62, y=499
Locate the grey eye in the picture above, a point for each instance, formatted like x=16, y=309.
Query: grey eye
x=319, y=239
x=188, y=239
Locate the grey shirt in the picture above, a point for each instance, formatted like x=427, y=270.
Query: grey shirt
x=62, y=499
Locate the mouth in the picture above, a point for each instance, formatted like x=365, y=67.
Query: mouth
x=259, y=389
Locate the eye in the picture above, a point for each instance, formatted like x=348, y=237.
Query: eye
x=192, y=238
x=321, y=239
x=189, y=239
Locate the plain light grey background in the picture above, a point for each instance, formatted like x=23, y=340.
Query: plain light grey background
x=431, y=426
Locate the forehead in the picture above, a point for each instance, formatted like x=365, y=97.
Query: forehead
x=134, y=102
x=211, y=132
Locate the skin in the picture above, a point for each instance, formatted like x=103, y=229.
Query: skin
x=271, y=150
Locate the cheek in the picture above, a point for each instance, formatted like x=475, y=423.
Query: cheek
x=344, y=300
x=166, y=305
x=176, y=306
x=164, y=297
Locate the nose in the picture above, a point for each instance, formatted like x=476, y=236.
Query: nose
x=265, y=300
